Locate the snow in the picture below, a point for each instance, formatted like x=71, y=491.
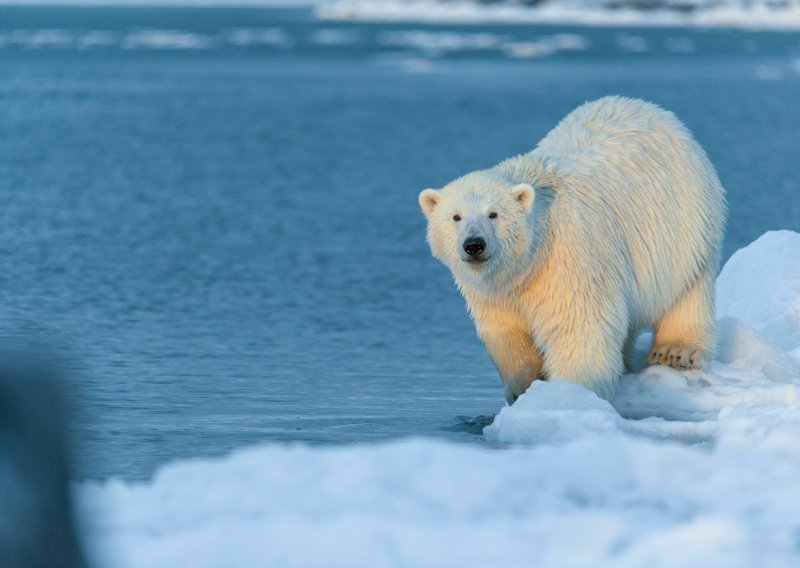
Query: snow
x=681, y=469
x=764, y=291
x=750, y=14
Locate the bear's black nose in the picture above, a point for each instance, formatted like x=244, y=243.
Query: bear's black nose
x=474, y=246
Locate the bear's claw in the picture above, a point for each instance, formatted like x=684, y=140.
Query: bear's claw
x=677, y=356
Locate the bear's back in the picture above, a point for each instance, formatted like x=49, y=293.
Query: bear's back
x=634, y=188
x=604, y=128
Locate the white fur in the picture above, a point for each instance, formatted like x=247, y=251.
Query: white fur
x=613, y=223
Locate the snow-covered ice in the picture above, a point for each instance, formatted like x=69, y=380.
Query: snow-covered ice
x=684, y=469
x=763, y=290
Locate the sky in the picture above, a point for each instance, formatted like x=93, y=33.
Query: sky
x=160, y=2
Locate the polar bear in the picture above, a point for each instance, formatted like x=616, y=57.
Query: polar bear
x=613, y=223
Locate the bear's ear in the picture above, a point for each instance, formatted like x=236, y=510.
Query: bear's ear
x=428, y=199
x=524, y=195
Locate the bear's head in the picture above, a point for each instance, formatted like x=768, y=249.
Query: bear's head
x=482, y=227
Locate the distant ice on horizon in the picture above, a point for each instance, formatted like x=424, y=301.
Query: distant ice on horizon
x=746, y=14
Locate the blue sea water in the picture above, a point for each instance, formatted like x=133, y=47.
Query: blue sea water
x=213, y=212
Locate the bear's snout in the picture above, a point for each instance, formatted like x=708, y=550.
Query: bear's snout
x=474, y=246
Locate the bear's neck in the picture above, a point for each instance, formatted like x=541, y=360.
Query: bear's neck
x=528, y=168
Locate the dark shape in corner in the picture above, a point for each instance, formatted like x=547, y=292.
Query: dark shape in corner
x=36, y=524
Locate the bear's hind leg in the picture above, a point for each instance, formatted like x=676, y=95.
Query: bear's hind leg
x=684, y=335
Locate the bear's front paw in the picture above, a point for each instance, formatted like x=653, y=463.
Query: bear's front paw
x=514, y=390
x=677, y=356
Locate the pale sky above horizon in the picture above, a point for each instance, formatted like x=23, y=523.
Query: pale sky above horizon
x=159, y=2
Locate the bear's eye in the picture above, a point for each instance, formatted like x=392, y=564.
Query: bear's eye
x=492, y=215
x=456, y=218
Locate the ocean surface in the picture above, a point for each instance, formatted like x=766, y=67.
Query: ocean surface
x=212, y=213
